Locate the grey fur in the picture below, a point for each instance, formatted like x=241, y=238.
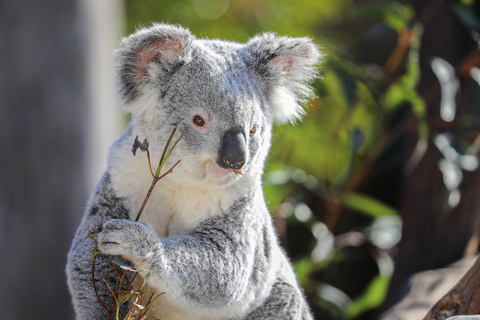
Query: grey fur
x=209, y=240
x=103, y=206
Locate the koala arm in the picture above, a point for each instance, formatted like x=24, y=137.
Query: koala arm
x=103, y=206
x=222, y=266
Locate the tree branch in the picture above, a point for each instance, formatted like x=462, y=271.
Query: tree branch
x=462, y=299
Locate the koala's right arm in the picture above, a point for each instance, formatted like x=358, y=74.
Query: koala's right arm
x=103, y=206
x=225, y=266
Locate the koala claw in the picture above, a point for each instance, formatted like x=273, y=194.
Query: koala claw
x=124, y=237
x=112, y=248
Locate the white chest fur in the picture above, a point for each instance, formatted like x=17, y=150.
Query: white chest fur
x=174, y=208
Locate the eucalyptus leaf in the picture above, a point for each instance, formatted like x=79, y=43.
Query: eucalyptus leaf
x=371, y=298
x=367, y=205
x=122, y=264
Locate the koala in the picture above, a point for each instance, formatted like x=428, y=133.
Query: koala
x=205, y=235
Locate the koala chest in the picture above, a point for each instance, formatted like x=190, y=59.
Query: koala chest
x=174, y=211
x=170, y=218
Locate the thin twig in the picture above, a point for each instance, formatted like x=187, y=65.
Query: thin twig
x=169, y=171
x=96, y=252
x=171, y=149
x=129, y=312
x=164, y=151
x=114, y=297
x=152, y=186
x=149, y=162
x=119, y=289
x=133, y=278
x=154, y=182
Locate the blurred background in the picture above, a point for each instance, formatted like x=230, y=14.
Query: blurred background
x=379, y=182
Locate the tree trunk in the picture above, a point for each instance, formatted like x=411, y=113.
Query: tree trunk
x=436, y=230
x=46, y=162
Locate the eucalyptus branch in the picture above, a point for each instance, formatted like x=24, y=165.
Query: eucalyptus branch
x=160, y=164
x=163, y=159
x=122, y=293
x=170, y=151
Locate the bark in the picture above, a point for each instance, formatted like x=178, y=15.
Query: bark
x=46, y=159
x=462, y=299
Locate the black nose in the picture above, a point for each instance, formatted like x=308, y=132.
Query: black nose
x=232, y=154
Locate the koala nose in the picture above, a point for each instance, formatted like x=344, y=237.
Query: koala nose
x=232, y=153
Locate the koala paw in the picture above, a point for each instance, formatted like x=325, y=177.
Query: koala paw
x=126, y=238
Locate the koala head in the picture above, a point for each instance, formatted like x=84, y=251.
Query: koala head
x=227, y=95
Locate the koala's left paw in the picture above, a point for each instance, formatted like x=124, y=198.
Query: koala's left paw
x=125, y=238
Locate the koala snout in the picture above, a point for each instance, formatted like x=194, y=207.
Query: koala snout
x=233, y=150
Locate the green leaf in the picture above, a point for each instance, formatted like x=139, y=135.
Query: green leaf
x=122, y=264
x=303, y=268
x=164, y=157
x=371, y=298
x=393, y=13
x=147, y=276
x=467, y=2
x=367, y=205
x=398, y=16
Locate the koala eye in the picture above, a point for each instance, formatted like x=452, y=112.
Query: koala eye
x=254, y=129
x=198, y=121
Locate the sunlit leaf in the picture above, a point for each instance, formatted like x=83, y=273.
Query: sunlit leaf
x=398, y=16
x=303, y=268
x=371, y=298
x=385, y=232
x=393, y=13
x=275, y=195
x=449, y=84
x=467, y=2
x=333, y=295
x=367, y=205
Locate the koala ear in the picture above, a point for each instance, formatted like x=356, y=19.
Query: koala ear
x=146, y=59
x=287, y=66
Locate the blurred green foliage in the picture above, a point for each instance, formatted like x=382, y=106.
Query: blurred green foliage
x=316, y=167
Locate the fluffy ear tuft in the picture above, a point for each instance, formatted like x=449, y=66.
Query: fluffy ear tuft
x=146, y=58
x=287, y=66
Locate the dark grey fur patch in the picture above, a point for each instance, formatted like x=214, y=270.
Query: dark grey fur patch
x=105, y=205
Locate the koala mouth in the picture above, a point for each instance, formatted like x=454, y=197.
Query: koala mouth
x=237, y=171
x=220, y=172
x=232, y=167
